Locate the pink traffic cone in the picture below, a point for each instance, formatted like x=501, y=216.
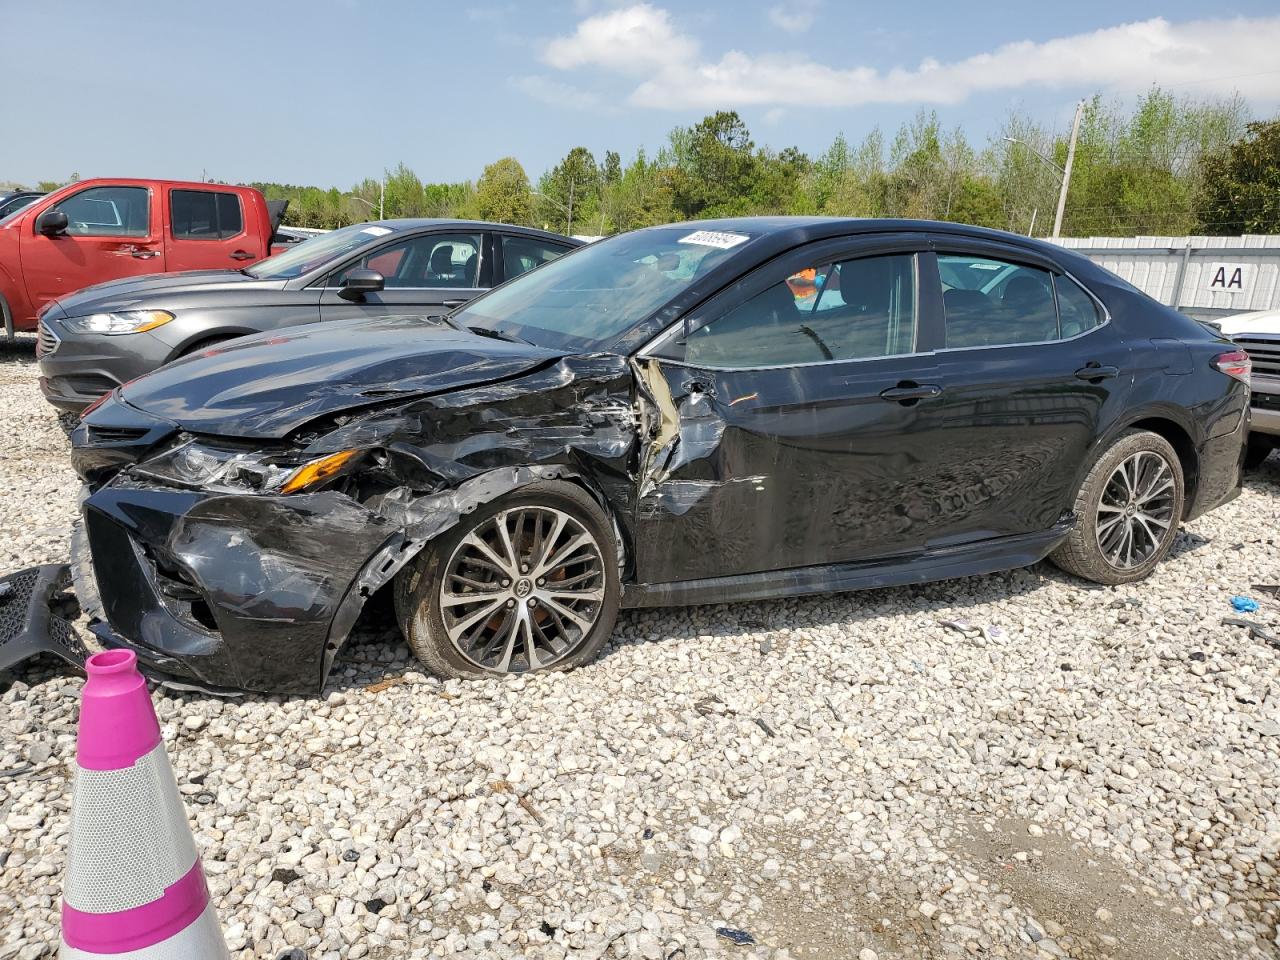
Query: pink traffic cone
x=134, y=889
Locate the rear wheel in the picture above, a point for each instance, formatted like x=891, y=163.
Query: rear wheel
x=527, y=583
x=1128, y=511
x=1259, y=448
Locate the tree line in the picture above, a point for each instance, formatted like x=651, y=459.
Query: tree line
x=1163, y=165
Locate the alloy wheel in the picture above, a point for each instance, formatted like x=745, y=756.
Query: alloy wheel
x=1135, y=511
x=522, y=590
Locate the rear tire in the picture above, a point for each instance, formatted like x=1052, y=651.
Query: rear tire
x=520, y=620
x=1258, y=449
x=1128, y=511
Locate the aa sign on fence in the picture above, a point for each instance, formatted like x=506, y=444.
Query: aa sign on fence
x=1229, y=277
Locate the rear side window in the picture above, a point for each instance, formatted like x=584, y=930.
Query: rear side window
x=205, y=214
x=108, y=212
x=851, y=310
x=522, y=254
x=1078, y=312
x=991, y=302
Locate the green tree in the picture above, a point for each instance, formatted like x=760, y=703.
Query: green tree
x=571, y=191
x=1241, y=191
x=503, y=194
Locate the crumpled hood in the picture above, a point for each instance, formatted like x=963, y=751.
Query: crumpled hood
x=270, y=384
x=139, y=293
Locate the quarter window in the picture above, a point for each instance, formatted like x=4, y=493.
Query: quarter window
x=1078, y=311
x=108, y=212
x=205, y=214
x=849, y=310
x=436, y=260
x=522, y=254
x=991, y=302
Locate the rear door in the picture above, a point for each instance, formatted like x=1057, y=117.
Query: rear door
x=521, y=254
x=792, y=433
x=427, y=274
x=209, y=229
x=1029, y=370
x=112, y=232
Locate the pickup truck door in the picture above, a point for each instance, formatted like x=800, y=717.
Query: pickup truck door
x=426, y=275
x=112, y=232
x=210, y=230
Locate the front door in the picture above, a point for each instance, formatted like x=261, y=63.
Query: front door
x=785, y=420
x=112, y=232
x=426, y=275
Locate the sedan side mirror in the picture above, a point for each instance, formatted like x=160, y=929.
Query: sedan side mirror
x=360, y=282
x=52, y=222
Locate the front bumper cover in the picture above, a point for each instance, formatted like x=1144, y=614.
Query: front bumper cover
x=235, y=592
x=33, y=618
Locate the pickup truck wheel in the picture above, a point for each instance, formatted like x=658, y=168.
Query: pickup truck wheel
x=1128, y=511
x=526, y=583
x=1259, y=448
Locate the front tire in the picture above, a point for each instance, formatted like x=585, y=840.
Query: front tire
x=523, y=584
x=1128, y=511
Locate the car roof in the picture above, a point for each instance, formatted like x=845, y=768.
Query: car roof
x=402, y=224
x=803, y=229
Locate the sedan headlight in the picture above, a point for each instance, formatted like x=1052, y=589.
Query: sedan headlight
x=195, y=464
x=124, y=321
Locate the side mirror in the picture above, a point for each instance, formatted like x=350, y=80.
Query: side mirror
x=360, y=282
x=52, y=222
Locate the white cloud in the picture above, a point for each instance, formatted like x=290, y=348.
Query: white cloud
x=1204, y=56
x=794, y=17
x=558, y=94
x=636, y=39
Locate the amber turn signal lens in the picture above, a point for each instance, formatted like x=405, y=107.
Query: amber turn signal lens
x=317, y=471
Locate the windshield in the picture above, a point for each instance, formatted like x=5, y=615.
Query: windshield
x=586, y=298
x=316, y=252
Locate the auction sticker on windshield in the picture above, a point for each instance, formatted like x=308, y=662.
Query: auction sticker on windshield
x=710, y=238
x=377, y=231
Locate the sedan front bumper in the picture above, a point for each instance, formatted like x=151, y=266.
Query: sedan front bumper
x=77, y=368
x=234, y=591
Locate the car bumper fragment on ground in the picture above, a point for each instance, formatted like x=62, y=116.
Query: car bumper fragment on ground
x=1074, y=771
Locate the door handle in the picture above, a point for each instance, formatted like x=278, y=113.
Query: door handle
x=1095, y=372
x=139, y=254
x=909, y=393
x=451, y=304
x=242, y=255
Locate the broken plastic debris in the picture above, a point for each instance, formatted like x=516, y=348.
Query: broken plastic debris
x=740, y=937
x=1256, y=630
x=1244, y=604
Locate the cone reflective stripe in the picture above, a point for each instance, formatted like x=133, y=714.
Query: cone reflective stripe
x=135, y=889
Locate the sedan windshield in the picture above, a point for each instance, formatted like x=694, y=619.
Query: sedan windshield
x=585, y=299
x=316, y=252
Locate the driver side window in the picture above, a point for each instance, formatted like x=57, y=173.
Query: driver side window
x=856, y=309
x=108, y=212
x=436, y=260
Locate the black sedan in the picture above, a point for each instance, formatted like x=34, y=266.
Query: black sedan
x=108, y=334
x=731, y=410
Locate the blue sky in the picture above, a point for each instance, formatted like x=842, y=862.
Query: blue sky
x=329, y=91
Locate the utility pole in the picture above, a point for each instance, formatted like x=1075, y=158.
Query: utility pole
x=569, y=229
x=382, y=194
x=1032, y=229
x=1066, y=171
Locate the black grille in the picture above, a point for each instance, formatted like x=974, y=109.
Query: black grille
x=46, y=342
x=114, y=434
x=1265, y=355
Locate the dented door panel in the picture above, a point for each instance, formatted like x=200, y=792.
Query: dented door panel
x=756, y=470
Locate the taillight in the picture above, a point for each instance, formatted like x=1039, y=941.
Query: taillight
x=1235, y=365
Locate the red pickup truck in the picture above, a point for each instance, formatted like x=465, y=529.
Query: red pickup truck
x=92, y=231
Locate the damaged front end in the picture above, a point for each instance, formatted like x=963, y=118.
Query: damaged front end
x=233, y=564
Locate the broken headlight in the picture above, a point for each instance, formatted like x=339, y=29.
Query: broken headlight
x=196, y=464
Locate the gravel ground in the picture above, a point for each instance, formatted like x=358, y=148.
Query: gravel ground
x=1092, y=775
